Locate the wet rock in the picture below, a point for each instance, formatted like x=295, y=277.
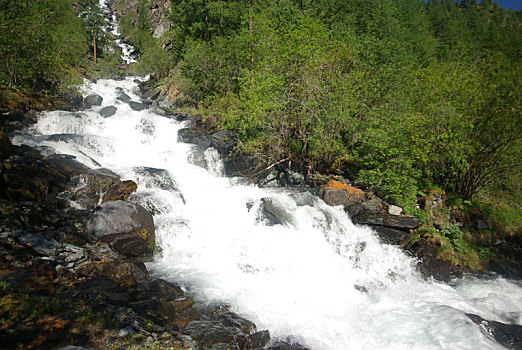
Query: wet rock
x=127, y=227
x=153, y=177
x=119, y=298
x=286, y=346
x=122, y=96
x=224, y=141
x=125, y=273
x=66, y=164
x=92, y=100
x=193, y=136
x=274, y=212
x=233, y=320
x=428, y=264
x=120, y=191
x=209, y=332
x=391, y=236
x=6, y=147
x=259, y=340
x=509, y=335
x=137, y=106
x=108, y=111
x=87, y=188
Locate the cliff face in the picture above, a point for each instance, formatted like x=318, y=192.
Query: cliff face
x=157, y=13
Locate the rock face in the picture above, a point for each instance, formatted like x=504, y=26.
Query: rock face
x=428, y=263
x=127, y=227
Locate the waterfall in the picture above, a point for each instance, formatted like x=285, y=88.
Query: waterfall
x=315, y=276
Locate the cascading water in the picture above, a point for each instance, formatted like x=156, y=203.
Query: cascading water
x=317, y=277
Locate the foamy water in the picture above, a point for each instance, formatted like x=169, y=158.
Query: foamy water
x=318, y=278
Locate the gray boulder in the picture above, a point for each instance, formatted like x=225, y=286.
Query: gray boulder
x=92, y=100
x=137, y=106
x=127, y=227
x=108, y=111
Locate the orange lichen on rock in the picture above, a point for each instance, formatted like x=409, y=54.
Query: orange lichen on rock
x=337, y=185
x=352, y=191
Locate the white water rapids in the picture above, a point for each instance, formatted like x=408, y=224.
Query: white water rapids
x=328, y=284
x=322, y=280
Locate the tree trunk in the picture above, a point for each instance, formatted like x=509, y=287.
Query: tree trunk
x=94, y=45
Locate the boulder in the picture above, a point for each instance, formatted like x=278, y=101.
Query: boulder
x=274, y=212
x=123, y=97
x=92, y=100
x=231, y=319
x=137, y=106
x=120, y=191
x=127, y=227
x=259, y=340
x=66, y=165
x=87, y=188
x=224, y=141
x=391, y=236
x=6, y=147
x=208, y=333
x=509, y=335
x=108, y=111
x=193, y=136
x=345, y=195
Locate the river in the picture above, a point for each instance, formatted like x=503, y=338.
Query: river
x=318, y=278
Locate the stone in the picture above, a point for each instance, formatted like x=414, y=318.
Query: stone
x=259, y=340
x=189, y=135
x=6, y=147
x=373, y=206
x=126, y=332
x=123, y=97
x=342, y=196
x=119, y=191
x=40, y=244
x=224, y=141
x=401, y=222
x=274, y=212
x=92, y=100
x=108, y=111
x=509, y=335
x=390, y=236
x=394, y=210
x=428, y=263
x=209, y=332
x=127, y=227
x=125, y=273
x=137, y=106
x=233, y=320
x=159, y=308
x=87, y=188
